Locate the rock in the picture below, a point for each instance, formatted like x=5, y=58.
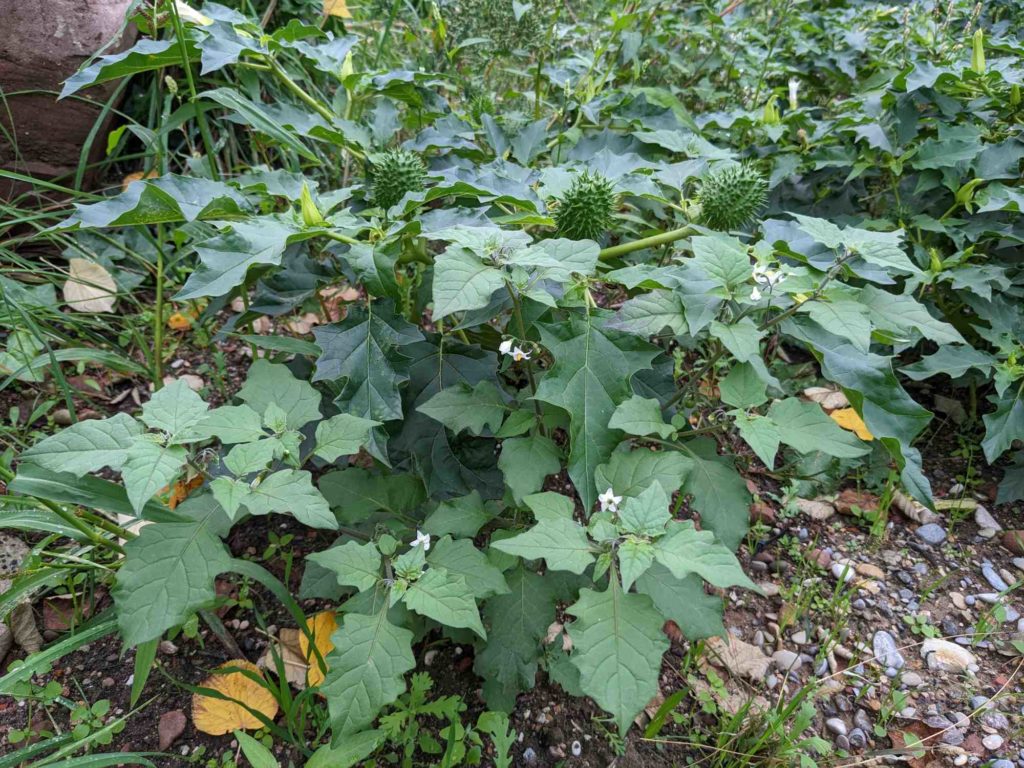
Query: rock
x=912, y=679
x=1014, y=541
x=762, y=513
x=576, y=749
x=850, y=499
x=529, y=756
x=836, y=726
x=861, y=720
x=1018, y=563
x=944, y=656
x=983, y=519
x=107, y=682
x=769, y=589
x=800, y=638
x=819, y=557
x=958, y=601
x=816, y=509
x=1003, y=763
x=993, y=578
x=931, y=533
x=871, y=571
x=787, y=661
x=992, y=742
x=172, y=725
x=995, y=720
x=886, y=653
x=858, y=739
x=843, y=571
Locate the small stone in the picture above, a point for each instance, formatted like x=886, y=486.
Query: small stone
x=787, y=660
x=970, y=600
x=815, y=509
x=107, y=682
x=1018, y=563
x=992, y=742
x=912, y=679
x=871, y=571
x=858, y=739
x=960, y=760
x=996, y=721
x=529, y=756
x=836, y=726
x=944, y=656
x=1003, y=763
x=819, y=557
x=958, y=601
x=167, y=648
x=843, y=743
x=577, y=749
x=886, y=653
x=172, y=725
x=1014, y=541
x=861, y=720
x=953, y=737
x=993, y=578
x=843, y=571
x=983, y=519
x=931, y=533
x=800, y=638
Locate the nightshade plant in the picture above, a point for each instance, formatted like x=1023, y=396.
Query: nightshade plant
x=512, y=418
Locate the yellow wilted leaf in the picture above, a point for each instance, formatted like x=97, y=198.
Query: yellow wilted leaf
x=218, y=716
x=848, y=419
x=337, y=8
x=137, y=176
x=181, y=489
x=322, y=626
x=179, y=322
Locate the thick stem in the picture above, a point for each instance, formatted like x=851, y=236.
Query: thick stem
x=517, y=309
x=648, y=242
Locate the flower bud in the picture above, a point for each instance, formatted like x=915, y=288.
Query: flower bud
x=978, y=53
x=311, y=216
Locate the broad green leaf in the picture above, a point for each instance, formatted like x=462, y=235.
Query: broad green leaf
x=722, y=258
x=253, y=457
x=174, y=409
x=364, y=354
x=742, y=338
x=843, y=317
x=257, y=754
x=742, y=387
x=556, y=537
x=230, y=424
x=686, y=550
x=806, y=427
x=646, y=514
x=463, y=282
x=257, y=116
x=461, y=558
x=635, y=556
x=87, y=446
x=954, y=361
x=353, y=749
x=905, y=313
x=590, y=377
x=650, y=313
x=168, y=574
x=272, y=384
x=526, y=462
x=697, y=613
x=760, y=433
x=291, y=492
x=1004, y=425
x=146, y=55
x=446, y=598
x=166, y=200
x=628, y=473
x=558, y=259
x=641, y=416
x=357, y=493
x=463, y=516
x=719, y=493
x=617, y=647
x=342, y=435
x=882, y=248
x=229, y=493
x=463, y=407
x=355, y=565
x=365, y=671
x=150, y=467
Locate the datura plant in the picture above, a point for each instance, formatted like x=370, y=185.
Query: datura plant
x=515, y=412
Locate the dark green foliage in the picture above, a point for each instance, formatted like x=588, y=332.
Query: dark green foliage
x=585, y=211
x=732, y=197
x=394, y=173
x=495, y=20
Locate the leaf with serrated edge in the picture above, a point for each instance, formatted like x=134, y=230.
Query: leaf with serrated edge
x=365, y=671
x=149, y=468
x=272, y=383
x=685, y=550
x=526, y=461
x=646, y=514
x=463, y=282
x=342, y=435
x=641, y=416
x=463, y=516
x=697, y=613
x=291, y=492
x=446, y=598
x=87, y=446
x=805, y=427
x=230, y=424
x=355, y=565
x=174, y=409
x=463, y=407
x=617, y=647
x=556, y=537
x=461, y=558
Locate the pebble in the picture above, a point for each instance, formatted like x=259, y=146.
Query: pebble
x=787, y=660
x=958, y=601
x=996, y=720
x=931, y=533
x=984, y=520
x=960, y=760
x=858, y=739
x=577, y=749
x=1018, y=563
x=843, y=571
x=800, y=638
x=944, y=656
x=1002, y=763
x=912, y=679
x=884, y=646
x=529, y=756
x=970, y=599
x=843, y=743
x=871, y=571
x=836, y=726
x=993, y=578
x=107, y=682
x=992, y=742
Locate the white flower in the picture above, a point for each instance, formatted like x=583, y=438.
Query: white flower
x=518, y=354
x=609, y=501
x=755, y=295
x=794, y=88
x=505, y=347
x=422, y=538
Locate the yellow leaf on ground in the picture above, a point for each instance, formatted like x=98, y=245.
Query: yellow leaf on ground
x=321, y=626
x=179, y=322
x=89, y=287
x=137, y=176
x=289, y=648
x=218, y=716
x=849, y=419
x=337, y=8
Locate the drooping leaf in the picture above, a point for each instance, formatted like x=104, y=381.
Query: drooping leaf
x=463, y=517
x=174, y=409
x=463, y=407
x=273, y=384
x=87, y=446
x=807, y=428
x=461, y=558
x=685, y=550
x=462, y=281
x=641, y=416
x=354, y=564
x=684, y=601
x=150, y=467
x=342, y=435
x=445, y=597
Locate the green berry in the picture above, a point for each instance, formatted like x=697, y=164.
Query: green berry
x=585, y=211
x=479, y=106
x=393, y=173
x=732, y=197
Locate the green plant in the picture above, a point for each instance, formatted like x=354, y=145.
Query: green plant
x=920, y=624
x=584, y=212
x=732, y=196
x=394, y=173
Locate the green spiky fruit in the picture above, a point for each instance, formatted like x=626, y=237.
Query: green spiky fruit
x=732, y=197
x=479, y=106
x=394, y=173
x=585, y=210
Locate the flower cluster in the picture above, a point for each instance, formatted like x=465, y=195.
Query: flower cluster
x=509, y=348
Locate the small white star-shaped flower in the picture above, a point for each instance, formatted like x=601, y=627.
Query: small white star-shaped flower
x=505, y=347
x=609, y=501
x=518, y=354
x=422, y=538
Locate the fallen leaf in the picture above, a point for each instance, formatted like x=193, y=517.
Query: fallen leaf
x=172, y=725
x=137, y=176
x=218, y=716
x=850, y=420
x=181, y=489
x=179, y=322
x=827, y=398
x=321, y=626
x=337, y=8
x=89, y=287
x=195, y=383
x=286, y=646
x=740, y=658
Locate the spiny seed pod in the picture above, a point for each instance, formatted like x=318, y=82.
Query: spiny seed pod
x=394, y=173
x=479, y=106
x=585, y=210
x=731, y=197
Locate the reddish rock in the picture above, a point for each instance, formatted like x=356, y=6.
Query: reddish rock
x=1014, y=541
x=850, y=498
x=762, y=513
x=819, y=557
x=172, y=725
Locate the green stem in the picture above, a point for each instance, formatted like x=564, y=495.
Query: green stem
x=517, y=309
x=186, y=63
x=648, y=242
x=158, y=313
